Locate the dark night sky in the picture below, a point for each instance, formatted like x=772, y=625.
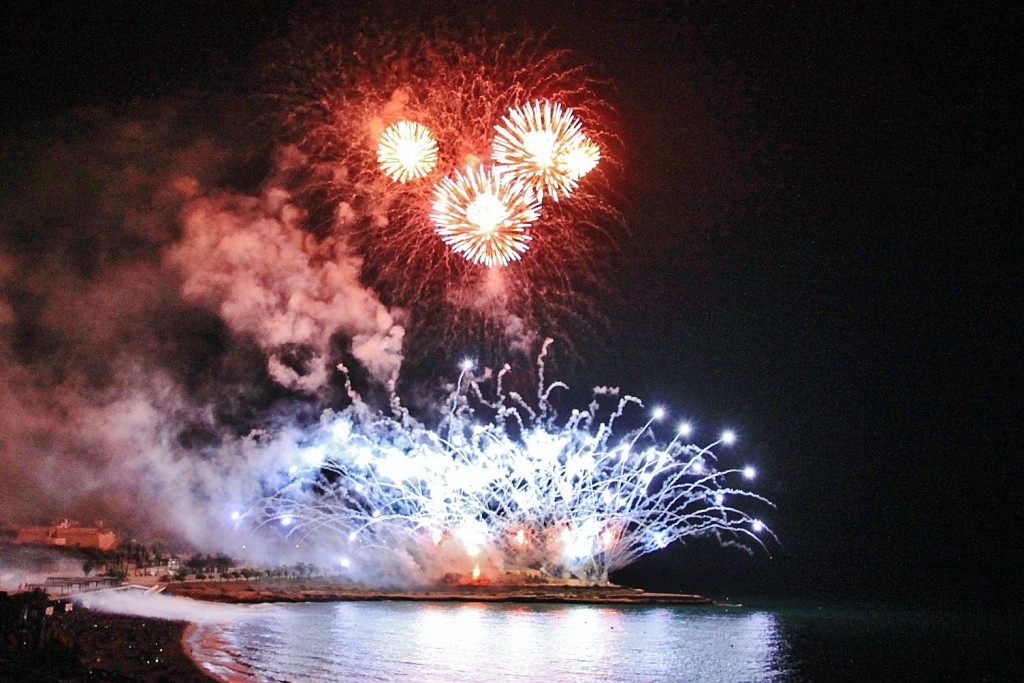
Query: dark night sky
x=840, y=286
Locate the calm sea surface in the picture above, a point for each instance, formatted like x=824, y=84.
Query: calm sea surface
x=454, y=642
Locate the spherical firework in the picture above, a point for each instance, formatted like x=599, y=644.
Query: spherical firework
x=580, y=159
x=540, y=143
x=485, y=216
x=407, y=151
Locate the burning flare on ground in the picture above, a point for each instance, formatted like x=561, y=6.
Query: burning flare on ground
x=503, y=483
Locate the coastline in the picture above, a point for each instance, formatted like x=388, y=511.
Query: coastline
x=209, y=654
x=89, y=645
x=325, y=590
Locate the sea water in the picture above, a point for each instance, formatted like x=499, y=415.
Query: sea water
x=482, y=642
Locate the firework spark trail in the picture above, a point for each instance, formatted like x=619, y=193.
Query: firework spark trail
x=509, y=486
x=580, y=159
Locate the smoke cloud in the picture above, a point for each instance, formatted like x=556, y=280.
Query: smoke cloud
x=249, y=260
x=168, y=323
x=158, y=606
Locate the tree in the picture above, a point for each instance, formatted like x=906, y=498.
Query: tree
x=223, y=563
x=196, y=563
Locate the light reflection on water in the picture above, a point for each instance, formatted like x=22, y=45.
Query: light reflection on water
x=383, y=641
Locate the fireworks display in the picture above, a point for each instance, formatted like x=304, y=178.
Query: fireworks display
x=503, y=484
x=580, y=159
x=541, y=143
x=407, y=151
x=342, y=105
x=485, y=215
x=505, y=135
x=399, y=194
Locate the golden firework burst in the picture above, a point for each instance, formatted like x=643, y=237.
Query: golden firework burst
x=581, y=159
x=407, y=151
x=541, y=143
x=485, y=215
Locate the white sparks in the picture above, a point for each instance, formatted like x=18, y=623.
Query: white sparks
x=522, y=489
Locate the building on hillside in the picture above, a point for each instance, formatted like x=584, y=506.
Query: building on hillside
x=69, y=534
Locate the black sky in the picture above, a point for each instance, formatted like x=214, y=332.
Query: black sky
x=841, y=286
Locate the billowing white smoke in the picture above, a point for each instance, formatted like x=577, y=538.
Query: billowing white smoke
x=250, y=259
x=145, y=312
x=171, y=607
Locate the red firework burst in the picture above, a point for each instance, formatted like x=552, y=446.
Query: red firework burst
x=484, y=215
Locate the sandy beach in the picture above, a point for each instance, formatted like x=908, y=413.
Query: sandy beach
x=89, y=646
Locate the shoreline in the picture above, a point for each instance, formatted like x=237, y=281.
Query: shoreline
x=100, y=646
x=325, y=590
x=210, y=657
